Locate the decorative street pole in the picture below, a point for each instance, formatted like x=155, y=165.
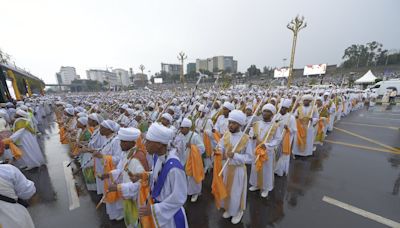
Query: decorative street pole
x=295, y=25
x=182, y=57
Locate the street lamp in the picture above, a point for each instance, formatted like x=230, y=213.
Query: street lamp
x=295, y=25
x=182, y=57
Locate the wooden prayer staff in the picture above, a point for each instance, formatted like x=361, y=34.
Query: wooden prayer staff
x=312, y=110
x=243, y=133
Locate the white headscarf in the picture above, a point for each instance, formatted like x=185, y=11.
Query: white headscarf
x=238, y=117
x=83, y=120
x=113, y=126
x=159, y=133
x=128, y=134
x=269, y=107
x=186, y=123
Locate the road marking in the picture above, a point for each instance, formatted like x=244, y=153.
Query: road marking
x=366, y=214
x=71, y=189
x=368, y=139
x=361, y=146
x=372, y=125
x=385, y=113
x=381, y=118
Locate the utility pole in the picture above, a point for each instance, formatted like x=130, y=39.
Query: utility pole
x=295, y=25
x=182, y=57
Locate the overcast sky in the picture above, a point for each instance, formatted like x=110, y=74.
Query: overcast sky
x=42, y=35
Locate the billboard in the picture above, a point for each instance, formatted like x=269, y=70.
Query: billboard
x=315, y=69
x=281, y=73
x=158, y=80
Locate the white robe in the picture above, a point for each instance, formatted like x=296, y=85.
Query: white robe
x=193, y=187
x=13, y=184
x=222, y=124
x=114, y=210
x=173, y=195
x=31, y=154
x=239, y=184
x=308, y=151
x=282, y=165
x=268, y=166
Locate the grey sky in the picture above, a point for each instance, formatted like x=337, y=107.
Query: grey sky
x=43, y=35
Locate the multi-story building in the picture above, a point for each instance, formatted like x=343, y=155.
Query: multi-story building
x=217, y=63
x=171, y=69
x=103, y=76
x=190, y=68
x=122, y=77
x=66, y=75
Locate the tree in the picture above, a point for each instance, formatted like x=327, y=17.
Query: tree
x=364, y=55
x=4, y=57
x=253, y=71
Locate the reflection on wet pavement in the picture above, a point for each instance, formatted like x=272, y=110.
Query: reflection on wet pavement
x=370, y=180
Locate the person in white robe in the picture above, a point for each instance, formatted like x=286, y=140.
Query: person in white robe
x=203, y=126
x=221, y=126
x=331, y=110
x=168, y=180
x=287, y=123
x=235, y=174
x=191, y=137
x=268, y=133
x=14, y=186
x=24, y=137
x=111, y=147
x=306, y=117
x=132, y=162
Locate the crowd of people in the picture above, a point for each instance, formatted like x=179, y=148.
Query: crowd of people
x=147, y=152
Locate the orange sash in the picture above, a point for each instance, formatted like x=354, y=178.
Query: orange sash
x=262, y=155
x=301, y=135
x=146, y=221
x=286, y=145
x=111, y=197
x=194, y=164
x=207, y=144
x=217, y=136
x=218, y=188
x=16, y=152
x=140, y=145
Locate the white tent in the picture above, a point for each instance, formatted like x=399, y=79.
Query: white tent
x=369, y=77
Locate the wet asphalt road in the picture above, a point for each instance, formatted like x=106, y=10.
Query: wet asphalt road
x=368, y=179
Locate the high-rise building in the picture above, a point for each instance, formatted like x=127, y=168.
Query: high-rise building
x=122, y=77
x=217, y=63
x=66, y=75
x=103, y=76
x=171, y=69
x=190, y=68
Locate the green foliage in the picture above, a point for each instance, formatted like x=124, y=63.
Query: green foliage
x=370, y=54
x=253, y=71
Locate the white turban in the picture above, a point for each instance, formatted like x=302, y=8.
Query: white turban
x=308, y=97
x=82, y=114
x=24, y=107
x=128, y=134
x=83, y=120
x=228, y=105
x=286, y=103
x=22, y=113
x=110, y=125
x=186, y=123
x=201, y=108
x=269, y=107
x=159, y=133
x=319, y=98
x=124, y=106
x=70, y=111
x=95, y=117
x=167, y=116
x=238, y=117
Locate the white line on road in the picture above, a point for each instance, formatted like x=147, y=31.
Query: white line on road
x=361, y=212
x=71, y=189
